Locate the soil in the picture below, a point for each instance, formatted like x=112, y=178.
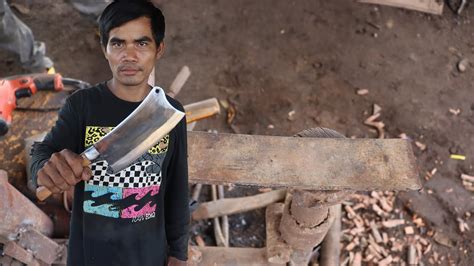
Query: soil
x=291, y=65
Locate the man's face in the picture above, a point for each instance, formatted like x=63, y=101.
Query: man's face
x=132, y=52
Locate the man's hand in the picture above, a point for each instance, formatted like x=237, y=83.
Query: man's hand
x=63, y=170
x=172, y=261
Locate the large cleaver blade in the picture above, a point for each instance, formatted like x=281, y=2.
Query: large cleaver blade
x=142, y=129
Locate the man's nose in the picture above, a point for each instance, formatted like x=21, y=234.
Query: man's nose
x=129, y=54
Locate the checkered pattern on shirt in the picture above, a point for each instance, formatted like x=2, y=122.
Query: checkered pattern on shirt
x=134, y=176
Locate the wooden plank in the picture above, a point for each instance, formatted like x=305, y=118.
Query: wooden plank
x=233, y=256
x=302, y=163
x=428, y=6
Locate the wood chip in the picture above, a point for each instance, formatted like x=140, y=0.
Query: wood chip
x=376, y=109
x=468, y=178
x=291, y=115
x=362, y=92
x=423, y=241
x=419, y=222
x=409, y=230
x=385, y=205
x=420, y=145
x=376, y=233
x=412, y=259
x=370, y=121
x=373, y=250
x=199, y=241
x=357, y=259
x=387, y=261
x=393, y=223
x=385, y=237
x=455, y=111
x=351, y=246
x=462, y=65
x=379, y=211
x=404, y=136
x=350, y=212
x=427, y=249
x=463, y=226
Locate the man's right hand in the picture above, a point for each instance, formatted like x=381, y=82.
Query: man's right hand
x=63, y=170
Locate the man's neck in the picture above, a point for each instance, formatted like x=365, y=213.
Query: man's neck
x=129, y=93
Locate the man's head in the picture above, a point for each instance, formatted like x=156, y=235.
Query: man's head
x=131, y=34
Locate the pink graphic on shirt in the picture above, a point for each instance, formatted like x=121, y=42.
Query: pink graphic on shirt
x=140, y=209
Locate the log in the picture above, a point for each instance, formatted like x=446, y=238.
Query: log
x=299, y=237
x=428, y=6
x=230, y=206
x=303, y=163
x=277, y=250
x=17, y=211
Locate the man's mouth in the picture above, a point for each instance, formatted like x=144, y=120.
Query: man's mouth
x=129, y=71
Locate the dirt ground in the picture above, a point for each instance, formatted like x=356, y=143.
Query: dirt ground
x=292, y=65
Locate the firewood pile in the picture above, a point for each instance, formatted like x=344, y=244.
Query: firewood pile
x=375, y=231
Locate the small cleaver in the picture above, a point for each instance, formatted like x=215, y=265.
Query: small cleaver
x=142, y=129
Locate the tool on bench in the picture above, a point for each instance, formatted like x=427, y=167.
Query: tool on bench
x=14, y=87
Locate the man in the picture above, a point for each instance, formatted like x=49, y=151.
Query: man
x=139, y=216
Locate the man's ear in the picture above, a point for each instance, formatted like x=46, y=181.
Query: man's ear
x=104, y=51
x=160, y=51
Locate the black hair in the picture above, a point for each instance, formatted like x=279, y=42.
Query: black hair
x=120, y=12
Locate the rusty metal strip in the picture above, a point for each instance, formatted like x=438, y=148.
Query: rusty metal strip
x=302, y=163
x=42, y=246
x=14, y=250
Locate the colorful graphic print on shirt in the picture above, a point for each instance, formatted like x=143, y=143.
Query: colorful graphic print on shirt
x=130, y=193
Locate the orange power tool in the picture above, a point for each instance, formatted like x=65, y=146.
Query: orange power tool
x=15, y=87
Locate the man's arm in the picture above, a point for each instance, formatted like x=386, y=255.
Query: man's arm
x=177, y=197
x=54, y=162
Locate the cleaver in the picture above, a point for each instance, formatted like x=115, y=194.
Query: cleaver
x=142, y=129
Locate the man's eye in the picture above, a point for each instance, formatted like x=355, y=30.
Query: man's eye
x=142, y=43
x=117, y=45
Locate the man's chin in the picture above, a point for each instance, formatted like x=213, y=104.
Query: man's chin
x=130, y=81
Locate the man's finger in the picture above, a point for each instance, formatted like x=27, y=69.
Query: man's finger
x=58, y=180
x=75, y=162
x=64, y=169
x=86, y=174
x=45, y=180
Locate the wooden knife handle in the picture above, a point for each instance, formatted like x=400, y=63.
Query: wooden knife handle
x=42, y=192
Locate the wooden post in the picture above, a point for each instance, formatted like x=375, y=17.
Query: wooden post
x=308, y=215
x=277, y=250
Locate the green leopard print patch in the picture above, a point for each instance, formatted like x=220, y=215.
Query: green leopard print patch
x=93, y=134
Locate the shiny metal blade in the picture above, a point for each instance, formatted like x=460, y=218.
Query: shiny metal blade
x=144, y=127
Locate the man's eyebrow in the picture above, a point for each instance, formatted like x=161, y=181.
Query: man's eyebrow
x=143, y=39
x=116, y=40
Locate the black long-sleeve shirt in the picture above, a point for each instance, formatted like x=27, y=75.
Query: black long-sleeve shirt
x=138, y=216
